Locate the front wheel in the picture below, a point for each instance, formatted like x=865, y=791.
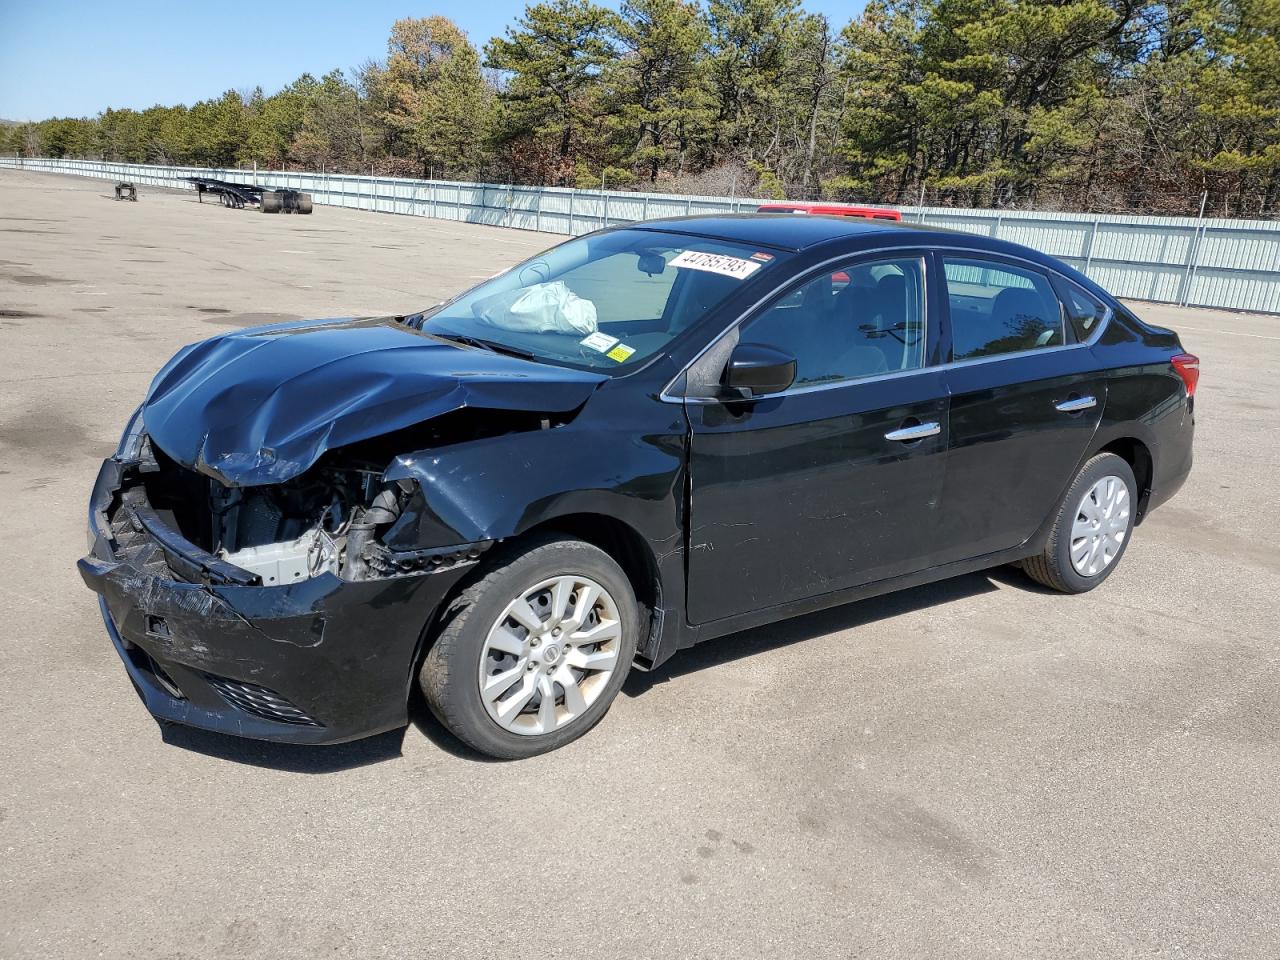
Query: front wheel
x=535, y=651
x=1092, y=529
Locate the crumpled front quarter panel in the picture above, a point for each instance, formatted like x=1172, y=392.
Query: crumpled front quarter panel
x=497, y=487
x=622, y=459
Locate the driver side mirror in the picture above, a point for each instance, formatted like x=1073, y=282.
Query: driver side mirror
x=755, y=369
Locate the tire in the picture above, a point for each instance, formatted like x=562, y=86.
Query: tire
x=304, y=203
x=271, y=202
x=1087, y=501
x=452, y=670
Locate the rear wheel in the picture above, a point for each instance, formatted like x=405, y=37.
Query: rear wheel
x=1092, y=529
x=536, y=649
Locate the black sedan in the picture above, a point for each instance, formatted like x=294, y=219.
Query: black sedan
x=637, y=441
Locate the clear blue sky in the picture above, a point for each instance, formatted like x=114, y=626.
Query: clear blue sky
x=60, y=58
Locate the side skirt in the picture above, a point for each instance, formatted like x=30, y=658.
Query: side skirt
x=690, y=635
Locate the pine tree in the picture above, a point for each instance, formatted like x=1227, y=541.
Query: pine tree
x=748, y=62
x=551, y=62
x=1238, y=101
x=811, y=100
x=657, y=92
x=277, y=120
x=330, y=133
x=1143, y=105
x=217, y=130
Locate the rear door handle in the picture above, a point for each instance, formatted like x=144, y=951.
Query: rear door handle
x=917, y=432
x=1076, y=404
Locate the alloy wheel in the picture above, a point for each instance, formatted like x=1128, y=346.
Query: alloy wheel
x=550, y=654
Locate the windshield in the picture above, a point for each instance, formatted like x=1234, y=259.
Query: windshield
x=604, y=301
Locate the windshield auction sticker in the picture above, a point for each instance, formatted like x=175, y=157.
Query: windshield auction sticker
x=620, y=353
x=716, y=263
x=598, y=341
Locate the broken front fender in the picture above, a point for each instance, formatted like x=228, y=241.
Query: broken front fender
x=590, y=478
x=498, y=487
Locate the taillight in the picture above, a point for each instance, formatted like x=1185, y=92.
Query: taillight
x=1188, y=368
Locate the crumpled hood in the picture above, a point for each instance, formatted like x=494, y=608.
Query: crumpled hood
x=260, y=406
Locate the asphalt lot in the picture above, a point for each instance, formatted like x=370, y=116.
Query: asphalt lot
x=972, y=769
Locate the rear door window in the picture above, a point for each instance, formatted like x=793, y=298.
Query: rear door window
x=997, y=308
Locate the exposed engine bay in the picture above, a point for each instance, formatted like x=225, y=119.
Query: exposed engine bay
x=292, y=531
x=324, y=521
x=342, y=516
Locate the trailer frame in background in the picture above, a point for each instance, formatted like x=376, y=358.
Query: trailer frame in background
x=240, y=195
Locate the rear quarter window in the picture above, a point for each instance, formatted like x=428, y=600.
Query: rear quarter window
x=1085, y=312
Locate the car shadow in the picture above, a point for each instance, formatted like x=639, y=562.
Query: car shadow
x=859, y=613
x=312, y=758
x=1014, y=577
x=288, y=757
x=424, y=721
x=294, y=758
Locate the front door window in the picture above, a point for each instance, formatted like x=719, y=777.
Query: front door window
x=862, y=320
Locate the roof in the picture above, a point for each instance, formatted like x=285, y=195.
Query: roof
x=794, y=233
x=782, y=231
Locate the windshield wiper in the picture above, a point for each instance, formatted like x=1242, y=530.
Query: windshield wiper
x=490, y=345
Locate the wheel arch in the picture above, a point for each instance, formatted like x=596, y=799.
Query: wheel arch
x=618, y=539
x=1137, y=454
x=629, y=549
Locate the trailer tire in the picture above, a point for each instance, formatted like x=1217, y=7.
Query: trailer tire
x=303, y=203
x=271, y=202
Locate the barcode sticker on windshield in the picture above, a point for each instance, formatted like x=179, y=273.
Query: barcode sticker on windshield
x=716, y=263
x=598, y=341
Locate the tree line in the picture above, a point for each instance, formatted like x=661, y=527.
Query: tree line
x=1122, y=105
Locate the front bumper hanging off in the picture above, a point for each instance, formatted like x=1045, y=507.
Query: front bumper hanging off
x=321, y=660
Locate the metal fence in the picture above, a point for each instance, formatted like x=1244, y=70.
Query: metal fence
x=1208, y=262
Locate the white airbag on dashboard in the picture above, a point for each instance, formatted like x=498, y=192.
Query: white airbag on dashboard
x=541, y=308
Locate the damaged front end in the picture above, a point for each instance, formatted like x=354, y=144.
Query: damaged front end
x=262, y=543
x=279, y=611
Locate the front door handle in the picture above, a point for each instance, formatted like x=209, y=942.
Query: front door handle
x=1076, y=404
x=916, y=432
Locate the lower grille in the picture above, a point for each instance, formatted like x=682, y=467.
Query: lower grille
x=260, y=701
x=146, y=663
x=164, y=679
